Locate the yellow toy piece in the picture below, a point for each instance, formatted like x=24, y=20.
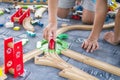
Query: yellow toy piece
x=113, y=5
x=1, y=73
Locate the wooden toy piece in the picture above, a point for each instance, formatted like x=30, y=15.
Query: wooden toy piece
x=82, y=27
x=38, y=45
x=13, y=57
x=62, y=36
x=92, y=62
x=9, y=24
x=20, y=15
x=26, y=24
x=31, y=34
x=76, y=17
x=24, y=41
x=37, y=22
x=67, y=73
x=54, y=60
x=16, y=28
x=51, y=44
x=31, y=54
x=2, y=75
x=39, y=12
x=26, y=57
x=1, y=12
x=64, y=25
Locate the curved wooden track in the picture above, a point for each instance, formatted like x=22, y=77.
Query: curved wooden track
x=82, y=27
x=26, y=24
x=85, y=59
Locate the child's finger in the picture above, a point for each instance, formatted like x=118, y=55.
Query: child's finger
x=97, y=46
x=86, y=44
x=83, y=44
x=93, y=47
x=50, y=35
x=44, y=33
x=89, y=47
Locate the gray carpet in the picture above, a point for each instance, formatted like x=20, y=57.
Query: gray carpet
x=107, y=52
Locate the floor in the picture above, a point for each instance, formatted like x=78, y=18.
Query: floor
x=107, y=52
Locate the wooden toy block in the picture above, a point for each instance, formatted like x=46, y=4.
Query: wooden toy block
x=53, y=60
x=26, y=24
x=51, y=44
x=39, y=12
x=2, y=75
x=28, y=56
x=13, y=57
x=20, y=15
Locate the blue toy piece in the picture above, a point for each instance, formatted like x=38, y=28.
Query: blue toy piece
x=38, y=0
x=34, y=22
x=80, y=8
x=2, y=22
x=37, y=22
x=40, y=24
x=31, y=34
x=1, y=25
x=107, y=18
x=31, y=1
x=44, y=0
x=25, y=1
x=7, y=10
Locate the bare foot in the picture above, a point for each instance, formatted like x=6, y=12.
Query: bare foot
x=109, y=37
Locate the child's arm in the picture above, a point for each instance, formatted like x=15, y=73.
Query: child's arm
x=91, y=43
x=50, y=30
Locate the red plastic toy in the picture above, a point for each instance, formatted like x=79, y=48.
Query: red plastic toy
x=76, y=17
x=51, y=44
x=20, y=15
x=13, y=57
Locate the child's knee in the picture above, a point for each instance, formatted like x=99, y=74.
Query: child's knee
x=87, y=20
x=62, y=12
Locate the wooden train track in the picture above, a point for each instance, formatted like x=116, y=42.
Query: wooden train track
x=26, y=24
x=68, y=71
x=82, y=27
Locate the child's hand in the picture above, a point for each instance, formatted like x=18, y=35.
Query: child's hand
x=90, y=45
x=50, y=31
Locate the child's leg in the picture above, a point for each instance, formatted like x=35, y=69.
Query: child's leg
x=62, y=12
x=64, y=7
x=88, y=11
x=114, y=37
x=87, y=16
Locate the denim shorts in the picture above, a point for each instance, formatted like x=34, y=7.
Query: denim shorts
x=86, y=4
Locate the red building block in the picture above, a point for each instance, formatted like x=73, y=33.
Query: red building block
x=51, y=44
x=13, y=57
x=20, y=15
